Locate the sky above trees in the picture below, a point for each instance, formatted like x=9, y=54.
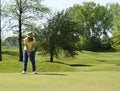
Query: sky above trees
x=63, y=4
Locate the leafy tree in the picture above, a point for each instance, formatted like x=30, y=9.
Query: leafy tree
x=106, y=43
x=21, y=12
x=115, y=10
x=59, y=36
x=11, y=41
x=116, y=41
x=94, y=20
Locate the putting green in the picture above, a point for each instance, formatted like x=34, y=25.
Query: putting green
x=61, y=81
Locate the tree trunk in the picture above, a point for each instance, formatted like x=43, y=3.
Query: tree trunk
x=20, y=34
x=0, y=35
x=51, y=57
x=20, y=42
x=51, y=50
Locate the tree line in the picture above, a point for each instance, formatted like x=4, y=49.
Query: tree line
x=87, y=26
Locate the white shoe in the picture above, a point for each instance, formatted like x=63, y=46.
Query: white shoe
x=23, y=72
x=34, y=72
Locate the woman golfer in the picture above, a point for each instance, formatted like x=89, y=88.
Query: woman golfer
x=29, y=52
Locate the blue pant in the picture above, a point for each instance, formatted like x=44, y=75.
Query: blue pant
x=32, y=59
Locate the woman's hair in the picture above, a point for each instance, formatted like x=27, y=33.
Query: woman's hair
x=30, y=39
x=30, y=36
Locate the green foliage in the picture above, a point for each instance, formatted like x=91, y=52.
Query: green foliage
x=10, y=41
x=116, y=41
x=90, y=44
x=115, y=9
x=60, y=34
x=93, y=22
x=106, y=43
x=96, y=19
x=21, y=13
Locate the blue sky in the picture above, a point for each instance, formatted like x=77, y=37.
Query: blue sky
x=63, y=4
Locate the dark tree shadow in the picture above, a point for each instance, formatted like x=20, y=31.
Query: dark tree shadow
x=101, y=60
x=10, y=53
x=60, y=62
x=73, y=65
x=80, y=65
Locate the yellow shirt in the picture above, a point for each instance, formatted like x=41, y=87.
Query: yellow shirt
x=29, y=46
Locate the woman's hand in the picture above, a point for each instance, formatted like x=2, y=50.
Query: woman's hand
x=29, y=52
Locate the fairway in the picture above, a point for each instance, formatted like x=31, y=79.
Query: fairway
x=61, y=81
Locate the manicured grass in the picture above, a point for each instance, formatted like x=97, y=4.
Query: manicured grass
x=86, y=61
x=88, y=71
x=61, y=81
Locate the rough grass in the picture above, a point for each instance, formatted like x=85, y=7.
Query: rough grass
x=61, y=81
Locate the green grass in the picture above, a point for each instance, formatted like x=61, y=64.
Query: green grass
x=88, y=71
x=86, y=61
x=61, y=81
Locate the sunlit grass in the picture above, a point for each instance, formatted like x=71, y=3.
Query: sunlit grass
x=61, y=81
x=85, y=61
x=88, y=71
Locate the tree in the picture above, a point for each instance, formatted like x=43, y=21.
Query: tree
x=115, y=10
x=0, y=35
x=116, y=40
x=106, y=43
x=24, y=11
x=94, y=20
x=11, y=41
x=59, y=36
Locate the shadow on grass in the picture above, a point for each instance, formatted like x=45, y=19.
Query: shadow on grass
x=10, y=53
x=52, y=74
x=57, y=74
x=101, y=60
x=73, y=65
x=79, y=65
